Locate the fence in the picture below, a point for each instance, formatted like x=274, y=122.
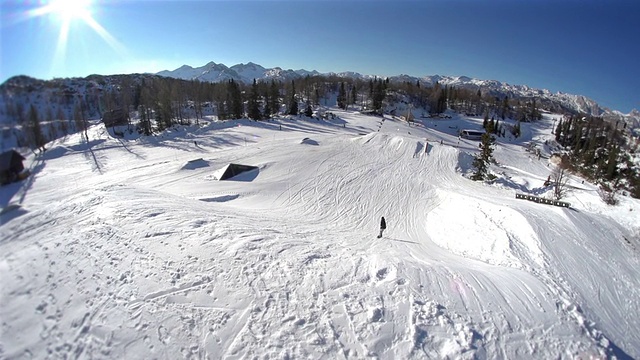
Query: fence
x=543, y=200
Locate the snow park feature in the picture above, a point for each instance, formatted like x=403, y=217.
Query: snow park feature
x=232, y=171
x=124, y=248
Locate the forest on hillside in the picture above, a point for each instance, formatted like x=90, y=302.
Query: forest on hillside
x=38, y=111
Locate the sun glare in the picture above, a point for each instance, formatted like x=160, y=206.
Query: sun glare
x=71, y=9
x=65, y=12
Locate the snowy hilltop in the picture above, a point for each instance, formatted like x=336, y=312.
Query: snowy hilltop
x=133, y=247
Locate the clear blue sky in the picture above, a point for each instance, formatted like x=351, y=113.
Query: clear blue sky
x=585, y=47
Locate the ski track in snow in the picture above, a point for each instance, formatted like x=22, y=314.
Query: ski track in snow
x=119, y=250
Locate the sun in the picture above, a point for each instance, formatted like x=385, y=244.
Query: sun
x=63, y=11
x=69, y=10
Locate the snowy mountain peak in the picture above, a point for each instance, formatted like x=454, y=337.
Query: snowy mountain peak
x=185, y=68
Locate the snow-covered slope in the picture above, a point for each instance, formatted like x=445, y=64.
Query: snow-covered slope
x=131, y=248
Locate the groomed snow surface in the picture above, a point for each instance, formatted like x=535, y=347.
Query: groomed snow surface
x=132, y=249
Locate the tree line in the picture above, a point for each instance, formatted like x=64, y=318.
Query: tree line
x=49, y=109
x=599, y=150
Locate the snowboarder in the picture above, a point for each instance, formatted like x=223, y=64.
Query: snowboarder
x=383, y=225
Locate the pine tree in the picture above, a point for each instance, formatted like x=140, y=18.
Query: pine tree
x=293, y=102
x=504, y=108
x=379, y=94
x=308, y=112
x=517, y=130
x=254, y=106
x=234, y=94
x=566, y=129
x=274, y=98
x=145, y=121
x=342, y=97
x=577, y=142
x=535, y=113
x=77, y=117
x=64, y=126
x=559, y=130
x=612, y=162
x=485, y=157
x=37, y=137
x=266, y=111
x=354, y=95
x=221, y=107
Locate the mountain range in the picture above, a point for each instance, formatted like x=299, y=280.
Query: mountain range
x=558, y=101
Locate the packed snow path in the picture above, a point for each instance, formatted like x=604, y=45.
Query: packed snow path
x=125, y=249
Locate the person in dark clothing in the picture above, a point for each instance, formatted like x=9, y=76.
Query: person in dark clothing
x=383, y=225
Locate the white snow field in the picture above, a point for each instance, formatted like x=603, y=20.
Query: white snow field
x=132, y=249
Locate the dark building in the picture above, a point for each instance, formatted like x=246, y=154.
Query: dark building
x=115, y=118
x=10, y=166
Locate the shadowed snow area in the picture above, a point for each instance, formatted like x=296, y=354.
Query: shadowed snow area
x=130, y=248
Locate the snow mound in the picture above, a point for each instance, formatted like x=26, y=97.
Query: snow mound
x=483, y=231
x=309, y=141
x=195, y=164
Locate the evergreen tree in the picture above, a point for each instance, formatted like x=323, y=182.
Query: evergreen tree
x=516, y=130
x=266, y=114
x=308, y=112
x=566, y=129
x=293, y=102
x=535, y=113
x=577, y=142
x=223, y=109
x=504, y=108
x=77, y=117
x=559, y=130
x=612, y=162
x=145, y=121
x=589, y=151
x=274, y=98
x=254, y=106
x=37, y=137
x=64, y=125
x=342, y=97
x=235, y=100
x=379, y=94
x=485, y=157
x=354, y=95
